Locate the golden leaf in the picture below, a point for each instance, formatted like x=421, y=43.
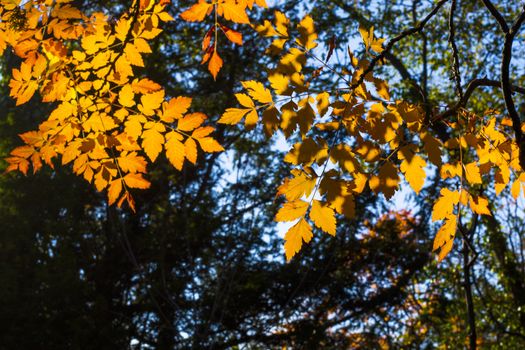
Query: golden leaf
x=233, y=12
x=307, y=34
x=257, y=91
x=472, y=174
x=291, y=211
x=126, y=97
x=197, y=12
x=444, y=239
x=215, y=64
x=175, y=108
x=150, y=102
x=175, y=150
x=323, y=217
x=115, y=187
x=136, y=181
x=479, y=205
x=210, y=145
x=369, y=40
x=444, y=206
x=190, y=148
x=413, y=167
x=301, y=231
x=191, y=121
x=152, y=141
x=233, y=116
x=298, y=186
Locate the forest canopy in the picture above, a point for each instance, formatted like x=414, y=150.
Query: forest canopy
x=379, y=145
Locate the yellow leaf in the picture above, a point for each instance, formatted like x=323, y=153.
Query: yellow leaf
x=152, y=141
x=202, y=132
x=210, y=145
x=301, y=231
x=515, y=190
x=307, y=34
x=233, y=116
x=298, y=186
x=233, y=12
x=444, y=206
x=291, y=211
x=126, y=97
x=257, y=91
x=175, y=150
x=175, y=108
x=306, y=152
x=251, y=119
x=444, y=239
x=432, y=147
x=133, y=126
x=369, y=40
x=413, y=169
x=359, y=182
x=191, y=121
x=133, y=55
x=472, y=173
x=150, y=102
x=369, y=151
x=145, y=86
x=323, y=217
x=190, y=148
x=136, y=181
x=450, y=170
x=132, y=163
x=245, y=100
x=280, y=83
x=410, y=113
x=479, y=205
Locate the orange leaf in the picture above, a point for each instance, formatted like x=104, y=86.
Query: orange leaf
x=190, y=148
x=175, y=150
x=215, y=64
x=115, y=187
x=232, y=35
x=136, y=181
x=210, y=145
x=323, y=217
x=191, y=121
x=302, y=231
x=197, y=12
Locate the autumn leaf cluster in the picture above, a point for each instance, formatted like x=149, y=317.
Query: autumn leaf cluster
x=110, y=124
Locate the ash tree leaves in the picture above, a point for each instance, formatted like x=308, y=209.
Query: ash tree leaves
x=108, y=123
x=375, y=142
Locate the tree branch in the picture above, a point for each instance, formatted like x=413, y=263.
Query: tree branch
x=396, y=39
x=456, y=76
x=473, y=85
x=495, y=13
x=506, y=85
